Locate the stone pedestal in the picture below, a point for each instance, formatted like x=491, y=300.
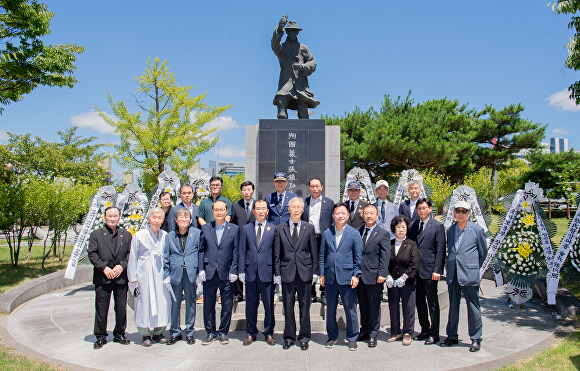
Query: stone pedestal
x=303, y=149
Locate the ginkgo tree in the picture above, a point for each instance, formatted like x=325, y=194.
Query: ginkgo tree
x=168, y=127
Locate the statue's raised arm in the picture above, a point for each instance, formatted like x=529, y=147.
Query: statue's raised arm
x=296, y=63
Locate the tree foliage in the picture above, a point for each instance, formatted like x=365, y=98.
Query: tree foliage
x=74, y=157
x=548, y=169
x=171, y=133
x=25, y=61
x=404, y=135
x=501, y=134
x=573, y=60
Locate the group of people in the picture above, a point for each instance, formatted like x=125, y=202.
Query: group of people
x=353, y=249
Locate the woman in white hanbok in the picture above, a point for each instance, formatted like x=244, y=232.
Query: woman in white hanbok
x=145, y=270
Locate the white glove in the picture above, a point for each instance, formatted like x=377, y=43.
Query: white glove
x=201, y=277
x=278, y=280
x=314, y=278
x=389, y=281
x=233, y=278
x=401, y=280
x=133, y=286
x=242, y=277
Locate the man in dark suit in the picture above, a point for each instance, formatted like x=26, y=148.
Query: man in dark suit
x=186, y=195
x=180, y=264
x=375, y=269
x=295, y=257
x=355, y=205
x=408, y=207
x=429, y=235
x=108, y=251
x=278, y=201
x=339, y=262
x=218, y=269
x=318, y=212
x=255, y=268
x=467, y=249
x=242, y=215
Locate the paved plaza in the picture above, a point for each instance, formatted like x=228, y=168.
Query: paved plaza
x=57, y=327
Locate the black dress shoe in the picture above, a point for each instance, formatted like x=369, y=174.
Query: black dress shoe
x=174, y=339
x=363, y=337
x=190, y=340
x=208, y=339
x=121, y=339
x=303, y=346
x=431, y=340
x=475, y=346
x=449, y=342
x=99, y=343
x=421, y=336
x=287, y=344
x=372, y=342
x=161, y=339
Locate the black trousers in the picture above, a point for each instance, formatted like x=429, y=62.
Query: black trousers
x=303, y=290
x=428, y=306
x=406, y=295
x=369, y=301
x=102, y=302
x=321, y=288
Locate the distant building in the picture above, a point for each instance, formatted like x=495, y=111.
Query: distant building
x=107, y=164
x=224, y=168
x=128, y=178
x=558, y=145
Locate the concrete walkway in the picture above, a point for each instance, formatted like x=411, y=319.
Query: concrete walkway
x=57, y=327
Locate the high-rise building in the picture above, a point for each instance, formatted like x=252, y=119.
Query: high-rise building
x=558, y=145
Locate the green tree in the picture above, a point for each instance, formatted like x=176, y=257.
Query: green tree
x=502, y=134
x=171, y=134
x=573, y=60
x=548, y=168
x=73, y=157
x=25, y=61
x=441, y=188
x=403, y=135
x=231, y=187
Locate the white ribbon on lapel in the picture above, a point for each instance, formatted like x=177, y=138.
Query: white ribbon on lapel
x=362, y=176
x=406, y=177
x=569, y=240
x=104, y=195
x=167, y=181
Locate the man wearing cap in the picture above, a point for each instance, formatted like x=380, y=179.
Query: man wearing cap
x=278, y=201
x=355, y=205
x=296, y=64
x=429, y=235
x=318, y=212
x=387, y=210
x=408, y=207
x=467, y=249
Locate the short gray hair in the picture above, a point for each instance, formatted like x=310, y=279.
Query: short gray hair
x=182, y=211
x=156, y=210
x=294, y=199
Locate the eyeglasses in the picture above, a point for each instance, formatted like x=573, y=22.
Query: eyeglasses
x=461, y=211
x=215, y=185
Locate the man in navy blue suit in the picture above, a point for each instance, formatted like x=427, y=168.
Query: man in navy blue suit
x=255, y=269
x=408, y=207
x=318, y=212
x=180, y=270
x=218, y=268
x=278, y=201
x=339, y=262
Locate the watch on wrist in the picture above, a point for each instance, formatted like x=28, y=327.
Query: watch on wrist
x=357, y=275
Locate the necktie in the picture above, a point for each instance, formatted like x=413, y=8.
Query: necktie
x=366, y=235
x=295, y=234
x=351, y=206
x=421, y=228
x=383, y=210
x=259, y=235
x=280, y=202
x=247, y=208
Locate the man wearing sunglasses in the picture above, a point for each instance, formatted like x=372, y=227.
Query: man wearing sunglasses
x=467, y=249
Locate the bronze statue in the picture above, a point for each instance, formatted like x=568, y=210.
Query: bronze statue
x=296, y=63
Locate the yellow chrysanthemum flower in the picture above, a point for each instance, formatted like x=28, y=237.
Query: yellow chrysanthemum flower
x=528, y=220
x=524, y=250
x=108, y=204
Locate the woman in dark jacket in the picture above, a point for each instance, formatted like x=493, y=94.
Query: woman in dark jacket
x=401, y=280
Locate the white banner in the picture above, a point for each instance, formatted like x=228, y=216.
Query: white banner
x=406, y=177
x=554, y=274
x=167, y=180
x=104, y=194
x=465, y=193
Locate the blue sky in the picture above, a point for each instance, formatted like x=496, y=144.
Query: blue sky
x=485, y=52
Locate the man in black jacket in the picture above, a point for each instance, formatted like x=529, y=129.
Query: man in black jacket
x=108, y=251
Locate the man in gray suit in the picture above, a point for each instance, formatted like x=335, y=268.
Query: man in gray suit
x=467, y=249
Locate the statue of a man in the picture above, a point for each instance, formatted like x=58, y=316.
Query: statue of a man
x=296, y=63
